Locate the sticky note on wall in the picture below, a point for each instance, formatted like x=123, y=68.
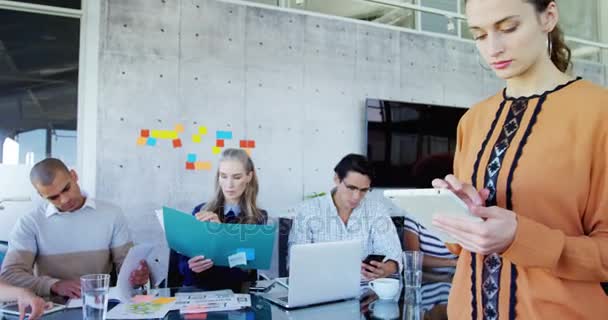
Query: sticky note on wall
x=191, y=157
x=179, y=128
x=151, y=142
x=202, y=130
x=203, y=165
x=196, y=138
x=141, y=141
x=223, y=135
x=216, y=150
x=177, y=143
x=164, y=134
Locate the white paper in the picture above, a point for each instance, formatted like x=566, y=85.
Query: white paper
x=237, y=259
x=146, y=310
x=184, y=299
x=74, y=303
x=235, y=302
x=153, y=258
x=159, y=216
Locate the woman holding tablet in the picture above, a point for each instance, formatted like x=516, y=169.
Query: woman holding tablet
x=234, y=201
x=532, y=161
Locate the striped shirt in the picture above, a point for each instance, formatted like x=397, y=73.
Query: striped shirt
x=317, y=220
x=47, y=246
x=429, y=244
x=433, y=294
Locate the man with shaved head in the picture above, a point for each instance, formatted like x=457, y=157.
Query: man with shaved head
x=70, y=236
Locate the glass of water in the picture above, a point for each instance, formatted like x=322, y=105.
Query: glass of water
x=95, y=289
x=412, y=268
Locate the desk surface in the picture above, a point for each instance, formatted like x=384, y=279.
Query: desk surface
x=431, y=304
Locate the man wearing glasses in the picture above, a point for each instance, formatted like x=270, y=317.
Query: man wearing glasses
x=347, y=214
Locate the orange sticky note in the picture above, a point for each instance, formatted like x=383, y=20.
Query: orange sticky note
x=216, y=150
x=145, y=133
x=248, y=151
x=163, y=300
x=177, y=143
x=250, y=144
x=190, y=166
x=196, y=138
x=203, y=165
x=219, y=143
x=179, y=128
x=141, y=141
x=243, y=143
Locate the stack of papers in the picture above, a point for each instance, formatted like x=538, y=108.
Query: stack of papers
x=211, y=301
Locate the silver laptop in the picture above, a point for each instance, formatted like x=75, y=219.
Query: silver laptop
x=320, y=272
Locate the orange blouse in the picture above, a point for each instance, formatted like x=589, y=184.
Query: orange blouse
x=554, y=176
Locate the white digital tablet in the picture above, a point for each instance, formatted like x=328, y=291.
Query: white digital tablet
x=422, y=204
x=13, y=309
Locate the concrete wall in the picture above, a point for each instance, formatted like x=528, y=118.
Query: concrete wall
x=294, y=82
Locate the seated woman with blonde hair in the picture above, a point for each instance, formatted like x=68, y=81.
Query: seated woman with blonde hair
x=234, y=201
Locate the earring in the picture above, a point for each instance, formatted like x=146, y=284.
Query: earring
x=550, y=45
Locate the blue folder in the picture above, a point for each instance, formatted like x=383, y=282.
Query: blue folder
x=218, y=241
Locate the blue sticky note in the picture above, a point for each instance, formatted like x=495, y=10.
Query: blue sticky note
x=151, y=142
x=249, y=252
x=223, y=135
x=191, y=157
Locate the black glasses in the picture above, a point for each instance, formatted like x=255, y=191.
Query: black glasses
x=355, y=188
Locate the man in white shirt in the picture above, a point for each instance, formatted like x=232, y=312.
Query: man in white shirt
x=346, y=214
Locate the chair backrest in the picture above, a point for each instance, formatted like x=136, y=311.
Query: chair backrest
x=285, y=227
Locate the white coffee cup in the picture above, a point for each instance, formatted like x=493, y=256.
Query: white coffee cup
x=385, y=288
x=384, y=309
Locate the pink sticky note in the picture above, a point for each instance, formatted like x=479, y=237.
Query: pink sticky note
x=142, y=298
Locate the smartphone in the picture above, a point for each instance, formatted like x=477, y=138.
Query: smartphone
x=374, y=257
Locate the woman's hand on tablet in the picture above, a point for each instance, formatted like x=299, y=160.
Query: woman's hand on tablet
x=464, y=191
x=493, y=235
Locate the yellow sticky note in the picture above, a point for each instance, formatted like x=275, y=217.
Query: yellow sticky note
x=202, y=130
x=179, y=128
x=141, y=141
x=196, y=138
x=202, y=165
x=164, y=134
x=163, y=300
x=216, y=150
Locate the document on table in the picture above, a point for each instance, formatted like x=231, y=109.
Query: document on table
x=156, y=308
x=199, y=302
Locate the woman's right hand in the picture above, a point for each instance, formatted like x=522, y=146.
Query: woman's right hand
x=464, y=191
x=207, y=216
x=199, y=264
